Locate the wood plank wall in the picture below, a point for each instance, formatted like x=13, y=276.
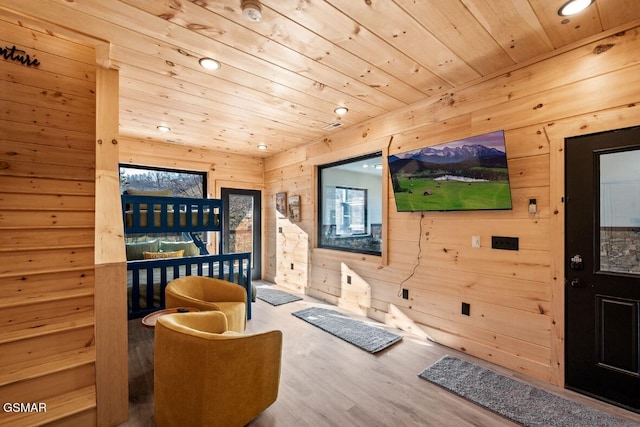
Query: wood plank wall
x=47, y=199
x=516, y=298
x=224, y=167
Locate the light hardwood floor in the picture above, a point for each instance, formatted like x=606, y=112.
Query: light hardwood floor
x=328, y=382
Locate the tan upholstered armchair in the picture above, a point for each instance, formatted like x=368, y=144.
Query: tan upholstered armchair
x=205, y=375
x=206, y=293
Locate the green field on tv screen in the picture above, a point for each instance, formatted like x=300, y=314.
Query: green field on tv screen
x=432, y=195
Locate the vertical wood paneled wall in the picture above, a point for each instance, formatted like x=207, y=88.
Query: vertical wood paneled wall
x=516, y=298
x=47, y=198
x=286, y=244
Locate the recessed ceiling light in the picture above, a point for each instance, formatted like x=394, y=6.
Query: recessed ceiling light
x=378, y=166
x=164, y=128
x=341, y=111
x=573, y=7
x=209, y=64
x=262, y=147
x=251, y=10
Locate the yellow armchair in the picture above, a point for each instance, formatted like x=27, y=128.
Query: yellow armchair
x=206, y=375
x=206, y=293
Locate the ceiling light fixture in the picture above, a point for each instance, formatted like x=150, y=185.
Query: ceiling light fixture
x=163, y=128
x=573, y=7
x=251, y=10
x=262, y=147
x=209, y=64
x=341, y=111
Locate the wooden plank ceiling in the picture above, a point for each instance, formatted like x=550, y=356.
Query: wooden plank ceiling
x=282, y=77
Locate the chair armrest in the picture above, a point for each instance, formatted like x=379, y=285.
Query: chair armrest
x=196, y=323
x=222, y=290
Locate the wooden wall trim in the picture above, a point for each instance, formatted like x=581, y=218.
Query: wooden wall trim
x=112, y=376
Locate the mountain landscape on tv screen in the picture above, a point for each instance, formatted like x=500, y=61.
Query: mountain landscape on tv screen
x=448, y=158
x=460, y=175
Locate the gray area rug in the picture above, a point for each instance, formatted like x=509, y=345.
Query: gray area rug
x=519, y=402
x=275, y=296
x=356, y=332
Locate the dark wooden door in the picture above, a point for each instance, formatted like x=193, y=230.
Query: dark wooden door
x=602, y=293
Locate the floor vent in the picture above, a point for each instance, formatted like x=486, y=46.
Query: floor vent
x=332, y=126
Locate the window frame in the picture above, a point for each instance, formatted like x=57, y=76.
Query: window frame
x=320, y=225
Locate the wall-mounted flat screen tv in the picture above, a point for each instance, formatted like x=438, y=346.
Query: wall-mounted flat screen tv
x=468, y=174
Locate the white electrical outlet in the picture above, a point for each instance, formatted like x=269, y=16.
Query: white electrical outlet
x=475, y=241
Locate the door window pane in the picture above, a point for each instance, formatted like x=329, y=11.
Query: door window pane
x=620, y=212
x=240, y=223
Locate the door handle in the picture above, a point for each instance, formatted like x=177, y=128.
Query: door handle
x=576, y=283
